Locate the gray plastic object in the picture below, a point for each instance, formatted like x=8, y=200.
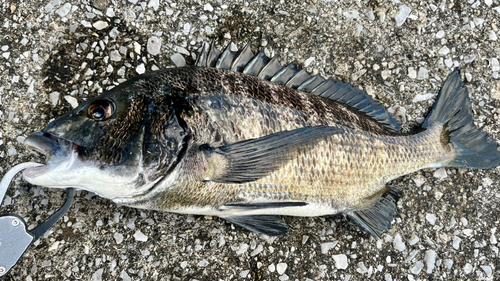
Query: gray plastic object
x=14, y=240
x=14, y=236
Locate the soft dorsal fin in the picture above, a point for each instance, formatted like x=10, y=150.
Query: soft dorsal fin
x=270, y=69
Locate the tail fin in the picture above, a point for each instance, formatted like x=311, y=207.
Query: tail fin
x=474, y=148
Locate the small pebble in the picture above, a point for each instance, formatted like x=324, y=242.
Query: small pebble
x=71, y=100
x=64, y=10
x=140, y=69
x=100, y=25
x=244, y=273
x=444, y=51
x=420, y=97
x=118, y=237
x=423, y=73
x=178, y=60
x=340, y=261
x=203, y=263
x=325, y=247
x=154, y=45
x=208, y=7
x=448, y=263
x=431, y=218
x=115, y=56
x=430, y=260
x=487, y=269
x=440, y=173
x=281, y=268
x=412, y=73
x=467, y=268
x=139, y=236
x=402, y=15
x=417, y=268
x=398, y=243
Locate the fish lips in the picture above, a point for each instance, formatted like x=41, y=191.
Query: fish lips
x=56, y=149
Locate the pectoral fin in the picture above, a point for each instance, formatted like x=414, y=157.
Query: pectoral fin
x=271, y=225
x=253, y=159
x=377, y=218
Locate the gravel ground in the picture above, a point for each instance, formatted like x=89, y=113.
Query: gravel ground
x=54, y=55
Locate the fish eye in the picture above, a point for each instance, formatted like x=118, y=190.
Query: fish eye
x=101, y=109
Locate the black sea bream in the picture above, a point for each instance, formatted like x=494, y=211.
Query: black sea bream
x=241, y=137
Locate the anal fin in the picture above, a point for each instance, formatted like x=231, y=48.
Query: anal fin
x=377, y=218
x=271, y=225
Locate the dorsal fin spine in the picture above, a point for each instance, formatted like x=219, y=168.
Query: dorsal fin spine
x=270, y=69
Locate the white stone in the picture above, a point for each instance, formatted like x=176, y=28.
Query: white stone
x=242, y=249
x=478, y=21
x=154, y=45
x=488, y=2
x=467, y=268
x=6, y=55
x=110, y=12
x=413, y=240
x=487, y=270
x=444, y=51
x=325, y=247
x=419, y=97
x=115, y=56
x=456, y=242
x=118, y=237
x=440, y=34
x=492, y=36
x=64, y=10
x=402, y=15
x=440, y=173
x=137, y=48
x=340, y=261
x=71, y=100
x=54, y=98
x=203, y=263
x=468, y=76
x=139, y=236
x=431, y=218
x=448, y=62
x=448, y=263
x=140, y=69
x=178, y=60
x=412, y=73
x=100, y=25
x=281, y=268
x=423, y=73
x=430, y=260
x=5, y=48
x=308, y=61
x=244, y=273
x=398, y=243
x=208, y=7
x=417, y=268
x=495, y=66
x=271, y=268
x=385, y=74
x=187, y=28
x=351, y=14
x=155, y=4
x=11, y=151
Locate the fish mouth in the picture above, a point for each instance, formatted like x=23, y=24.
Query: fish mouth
x=58, y=151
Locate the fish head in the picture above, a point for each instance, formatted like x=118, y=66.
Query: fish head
x=118, y=145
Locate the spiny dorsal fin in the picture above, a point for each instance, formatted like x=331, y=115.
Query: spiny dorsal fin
x=270, y=69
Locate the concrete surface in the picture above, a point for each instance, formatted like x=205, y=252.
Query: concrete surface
x=56, y=54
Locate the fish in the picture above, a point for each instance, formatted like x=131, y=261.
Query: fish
x=239, y=136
